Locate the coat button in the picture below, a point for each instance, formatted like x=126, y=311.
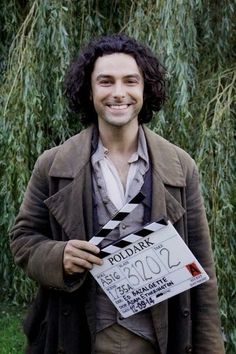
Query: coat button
x=66, y=311
x=189, y=349
x=186, y=313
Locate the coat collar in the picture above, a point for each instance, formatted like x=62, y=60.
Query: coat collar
x=165, y=159
x=75, y=153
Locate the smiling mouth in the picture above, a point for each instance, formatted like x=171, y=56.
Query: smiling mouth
x=118, y=107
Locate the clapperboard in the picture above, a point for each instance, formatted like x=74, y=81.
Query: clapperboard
x=144, y=267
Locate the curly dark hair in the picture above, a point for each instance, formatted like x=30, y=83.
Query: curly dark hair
x=78, y=77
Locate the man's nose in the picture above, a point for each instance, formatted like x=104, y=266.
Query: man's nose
x=119, y=90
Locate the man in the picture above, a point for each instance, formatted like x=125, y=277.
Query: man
x=116, y=83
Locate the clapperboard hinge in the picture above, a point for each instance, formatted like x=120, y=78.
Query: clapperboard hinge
x=129, y=239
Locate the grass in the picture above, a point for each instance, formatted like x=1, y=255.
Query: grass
x=12, y=340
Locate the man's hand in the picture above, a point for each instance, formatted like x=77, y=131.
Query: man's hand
x=80, y=256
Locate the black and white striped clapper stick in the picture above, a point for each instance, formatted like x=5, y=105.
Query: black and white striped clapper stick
x=116, y=220
x=132, y=238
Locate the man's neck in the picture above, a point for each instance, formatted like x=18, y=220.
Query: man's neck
x=121, y=143
x=120, y=140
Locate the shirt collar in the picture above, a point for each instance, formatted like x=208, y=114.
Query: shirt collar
x=141, y=152
x=100, y=153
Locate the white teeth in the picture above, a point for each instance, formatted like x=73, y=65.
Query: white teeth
x=123, y=106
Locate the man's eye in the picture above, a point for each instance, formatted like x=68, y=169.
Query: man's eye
x=132, y=82
x=105, y=82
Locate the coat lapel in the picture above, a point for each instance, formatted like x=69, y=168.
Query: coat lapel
x=163, y=202
x=71, y=168
x=167, y=172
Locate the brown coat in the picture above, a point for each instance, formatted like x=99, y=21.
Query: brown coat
x=58, y=206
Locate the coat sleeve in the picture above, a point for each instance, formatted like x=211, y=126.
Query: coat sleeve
x=31, y=240
x=206, y=331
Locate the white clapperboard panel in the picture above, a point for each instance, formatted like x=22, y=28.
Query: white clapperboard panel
x=145, y=267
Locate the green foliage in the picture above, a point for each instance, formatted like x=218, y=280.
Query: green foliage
x=216, y=154
x=11, y=334
x=196, y=42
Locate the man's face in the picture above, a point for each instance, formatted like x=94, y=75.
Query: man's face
x=117, y=89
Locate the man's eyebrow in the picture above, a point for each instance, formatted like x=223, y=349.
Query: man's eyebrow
x=103, y=76
x=133, y=76
x=129, y=76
